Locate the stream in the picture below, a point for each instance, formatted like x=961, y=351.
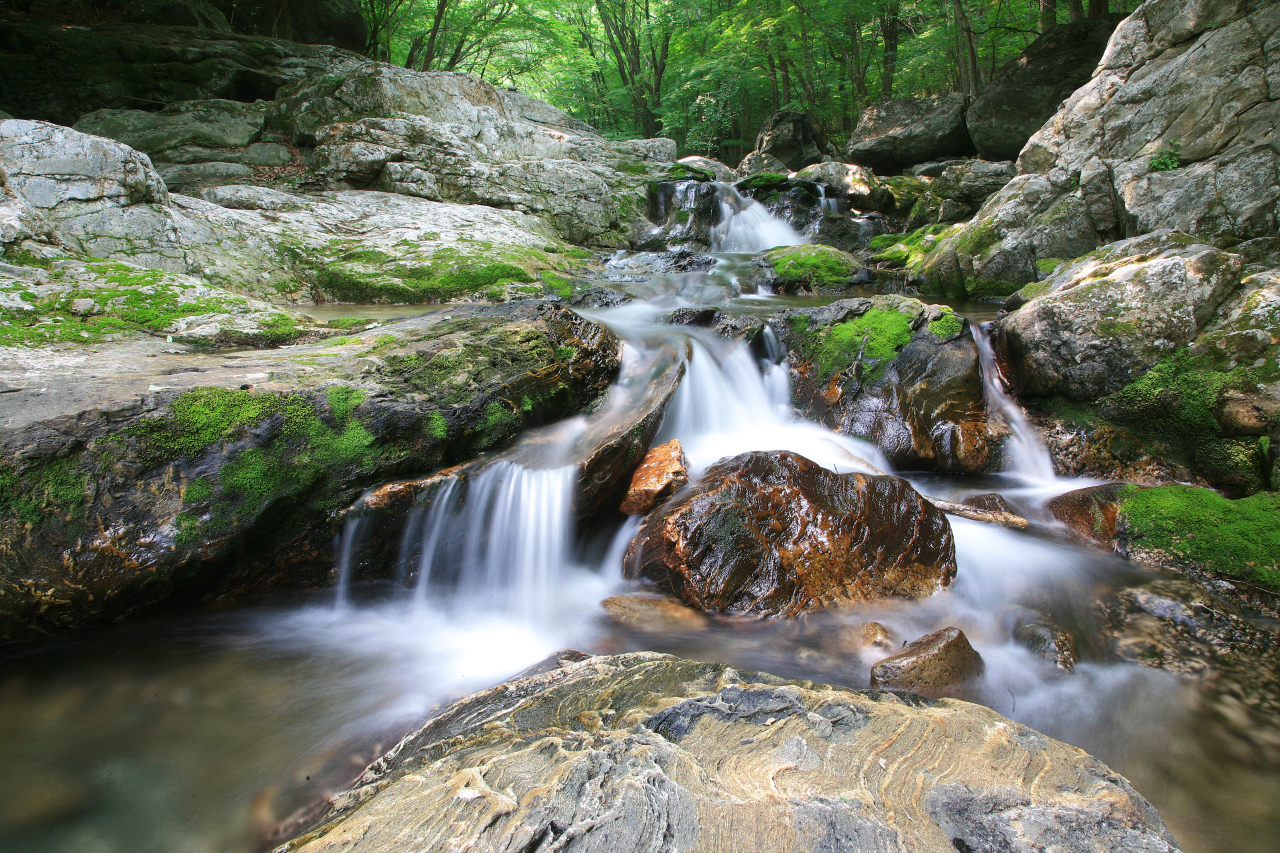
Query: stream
x=203, y=732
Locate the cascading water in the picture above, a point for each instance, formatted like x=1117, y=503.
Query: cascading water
x=745, y=225
x=495, y=575
x=1028, y=457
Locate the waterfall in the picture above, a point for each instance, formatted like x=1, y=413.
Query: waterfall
x=504, y=547
x=354, y=531
x=1028, y=456
x=826, y=204
x=746, y=226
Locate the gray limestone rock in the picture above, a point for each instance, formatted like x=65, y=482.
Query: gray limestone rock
x=212, y=124
x=903, y=132
x=646, y=752
x=1104, y=319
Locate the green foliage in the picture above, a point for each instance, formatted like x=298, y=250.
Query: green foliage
x=1166, y=159
x=822, y=266
x=1240, y=538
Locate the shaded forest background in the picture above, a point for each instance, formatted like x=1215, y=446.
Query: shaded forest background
x=707, y=72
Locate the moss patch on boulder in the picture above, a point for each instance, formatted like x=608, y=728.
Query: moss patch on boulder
x=810, y=266
x=1239, y=538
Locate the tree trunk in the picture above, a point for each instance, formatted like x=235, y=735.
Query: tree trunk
x=1098, y=8
x=1048, y=14
x=1076, y=10
x=889, y=34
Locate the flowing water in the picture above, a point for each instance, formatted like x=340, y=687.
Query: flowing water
x=203, y=733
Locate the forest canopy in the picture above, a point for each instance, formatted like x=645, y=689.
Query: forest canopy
x=707, y=72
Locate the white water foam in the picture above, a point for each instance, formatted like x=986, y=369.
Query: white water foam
x=746, y=226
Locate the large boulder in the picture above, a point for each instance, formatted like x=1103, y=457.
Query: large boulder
x=896, y=372
x=1028, y=90
x=718, y=170
x=633, y=752
x=207, y=124
x=958, y=191
x=905, y=131
x=777, y=533
x=152, y=477
x=1174, y=131
x=794, y=138
x=1110, y=316
x=60, y=73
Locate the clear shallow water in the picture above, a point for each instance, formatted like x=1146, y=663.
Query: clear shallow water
x=203, y=732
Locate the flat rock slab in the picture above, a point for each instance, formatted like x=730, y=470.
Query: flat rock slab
x=646, y=752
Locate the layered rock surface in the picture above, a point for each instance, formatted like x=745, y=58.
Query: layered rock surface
x=648, y=752
x=138, y=475
x=776, y=533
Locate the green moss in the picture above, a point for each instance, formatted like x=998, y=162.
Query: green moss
x=346, y=322
x=557, y=284
x=437, y=427
x=630, y=167
x=56, y=489
x=343, y=400
x=128, y=300
x=197, y=491
x=837, y=348
x=976, y=238
x=988, y=288
x=1240, y=538
x=685, y=172
x=822, y=266
x=498, y=425
x=580, y=254
x=948, y=326
x=905, y=250
x=566, y=353
x=1034, y=290
x=1048, y=265
x=763, y=183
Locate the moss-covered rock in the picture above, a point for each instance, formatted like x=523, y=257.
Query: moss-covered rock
x=220, y=479
x=894, y=371
x=808, y=268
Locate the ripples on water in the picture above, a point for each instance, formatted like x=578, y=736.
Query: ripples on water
x=202, y=733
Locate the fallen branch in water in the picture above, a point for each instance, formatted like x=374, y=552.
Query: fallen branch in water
x=1004, y=519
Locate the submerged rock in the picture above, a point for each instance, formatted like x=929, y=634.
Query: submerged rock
x=776, y=533
x=631, y=753
x=151, y=477
x=662, y=472
x=931, y=665
x=902, y=375
x=653, y=614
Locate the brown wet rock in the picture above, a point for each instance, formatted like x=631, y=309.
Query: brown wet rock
x=653, y=614
x=664, y=470
x=1090, y=512
x=851, y=640
x=990, y=502
x=647, y=752
x=775, y=533
x=1048, y=640
x=931, y=665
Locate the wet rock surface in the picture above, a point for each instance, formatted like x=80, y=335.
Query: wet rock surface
x=662, y=472
x=932, y=665
x=154, y=476
x=649, y=752
x=653, y=614
x=901, y=374
x=776, y=533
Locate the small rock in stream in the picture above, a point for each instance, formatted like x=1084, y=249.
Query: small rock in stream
x=663, y=471
x=653, y=614
x=931, y=665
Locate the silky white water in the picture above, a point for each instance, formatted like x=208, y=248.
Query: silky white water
x=746, y=226
x=207, y=740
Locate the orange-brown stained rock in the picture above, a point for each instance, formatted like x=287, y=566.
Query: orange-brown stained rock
x=653, y=614
x=776, y=533
x=662, y=472
x=931, y=665
x=1089, y=512
x=990, y=502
